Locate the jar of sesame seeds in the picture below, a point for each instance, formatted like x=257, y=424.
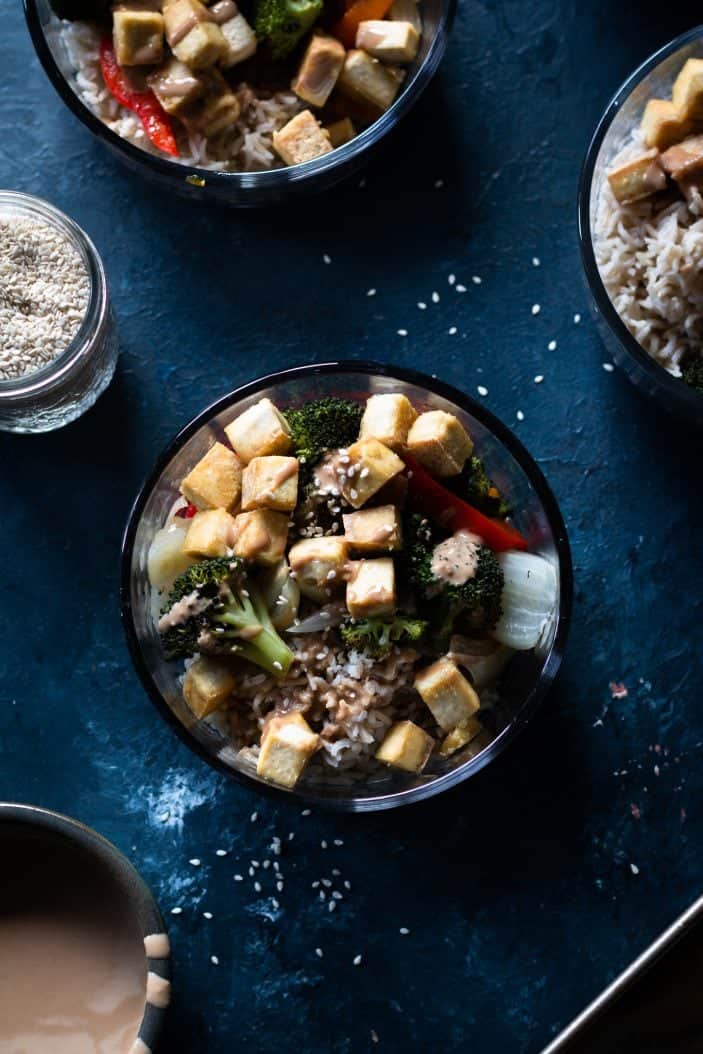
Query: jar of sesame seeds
x=58, y=341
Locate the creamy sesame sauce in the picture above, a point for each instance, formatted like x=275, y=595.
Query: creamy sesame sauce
x=455, y=559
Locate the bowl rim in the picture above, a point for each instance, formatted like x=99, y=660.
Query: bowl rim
x=269, y=178
x=676, y=389
x=544, y=494
x=137, y=892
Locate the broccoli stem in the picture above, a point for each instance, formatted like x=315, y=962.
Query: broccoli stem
x=266, y=649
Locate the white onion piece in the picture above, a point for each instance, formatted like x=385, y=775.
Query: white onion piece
x=529, y=599
x=484, y=659
x=166, y=559
x=330, y=615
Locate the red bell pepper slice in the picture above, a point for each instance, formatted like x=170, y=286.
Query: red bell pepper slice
x=155, y=120
x=439, y=504
x=186, y=512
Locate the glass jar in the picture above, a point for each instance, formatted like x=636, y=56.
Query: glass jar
x=66, y=387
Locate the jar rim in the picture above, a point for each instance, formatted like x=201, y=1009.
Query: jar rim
x=35, y=381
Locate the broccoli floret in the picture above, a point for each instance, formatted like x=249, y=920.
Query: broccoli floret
x=282, y=23
x=218, y=602
x=376, y=636
x=692, y=374
x=475, y=486
x=323, y=425
x=478, y=600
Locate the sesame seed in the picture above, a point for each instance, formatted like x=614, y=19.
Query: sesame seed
x=323, y=844
x=422, y=305
x=482, y=390
x=238, y=878
x=552, y=346
x=338, y=841
x=165, y=816
x=276, y=665
x=539, y=378
x=354, y=494
x=220, y=852
x=337, y=895
x=194, y=862
x=371, y=292
x=207, y=914
x=520, y=415
x=214, y=960
x=326, y=882
x=327, y=258
x=476, y=279
x=305, y=812
x=274, y=903
x=347, y=883
x=357, y=960
x=402, y=332
x=439, y=183
x=452, y=331
x=535, y=261
x=291, y=836
x=318, y=952
x=316, y=884
x=634, y=868
x=435, y=297
x=257, y=887
x=536, y=309
x=461, y=289
x=279, y=887
x=452, y=279
x=332, y=905
x=322, y=895
x=608, y=367
x=176, y=911
x=404, y=931
x=577, y=319
x=266, y=865
x=252, y=872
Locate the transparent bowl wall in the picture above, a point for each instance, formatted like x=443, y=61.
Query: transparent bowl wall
x=536, y=515
x=246, y=188
x=653, y=79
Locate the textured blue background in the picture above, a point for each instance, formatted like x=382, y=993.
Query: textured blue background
x=518, y=889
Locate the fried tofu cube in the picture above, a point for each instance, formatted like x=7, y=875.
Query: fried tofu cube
x=216, y=110
x=192, y=36
x=208, y=683
x=260, y=536
x=371, y=588
x=406, y=11
x=176, y=87
x=388, y=41
x=240, y=40
x=687, y=93
x=662, y=124
x=287, y=744
x=388, y=418
x=138, y=37
x=216, y=480
x=406, y=746
x=447, y=693
x=374, y=530
x=270, y=482
x=320, y=67
x=440, y=443
x=460, y=736
x=637, y=178
x=340, y=132
x=371, y=465
x=367, y=80
x=319, y=564
x=209, y=534
x=302, y=139
x=259, y=431
x=685, y=160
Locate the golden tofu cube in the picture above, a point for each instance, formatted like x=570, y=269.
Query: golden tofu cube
x=216, y=110
x=371, y=588
x=260, y=536
x=406, y=11
x=685, y=160
x=440, y=443
x=388, y=41
x=372, y=465
x=637, y=178
x=259, y=431
x=388, y=418
x=367, y=80
x=208, y=683
x=176, y=87
x=287, y=744
x=302, y=139
x=406, y=746
x=210, y=534
x=320, y=67
x=662, y=124
x=192, y=37
x=216, y=480
x=270, y=482
x=687, y=93
x=376, y=530
x=460, y=736
x=340, y=132
x=319, y=565
x=447, y=693
x=138, y=37
x=240, y=39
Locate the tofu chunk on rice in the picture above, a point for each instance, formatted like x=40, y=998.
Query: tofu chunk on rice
x=366, y=80
x=321, y=65
x=371, y=588
x=287, y=744
x=207, y=685
x=319, y=565
x=406, y=746
x=270, y=482
x=302, y=139
x=447, y=693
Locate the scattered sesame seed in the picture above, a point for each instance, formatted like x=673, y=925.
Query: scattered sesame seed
x=402, y=332
x=422, y=305
x=319, y=952
x=435, y=297
x=305, y=812
x=291, y=836
x=452, y=331
x=536, y=309
x=257, y=887
x=476, y=279
x=316, y=884
x=552, y=346
x=238, y=878
x=327, y=258
x=326, y=882
x=220, y=852
x=347, y=883
x=207, y=914
x=452, y=279
x=255, y=863
x=176, y=911
x=266, y=865
x=482, y=390
x=274, y=903
x=322, y=895
x=371, y=292
x=323, y=844
x=214, y=960
x=539, y=378
x=357, y=960
x=279, y=887
x=194, y=862
x=332, y=905
x=634, y=868
x=165, y=816
x=461, y=289
x=608, y=367
x=404, y=931
x=276, y=665
x=252, y=872
x=439, y=183
x=338, y=841
x=520, y=415
x=577, y=319
x=337, y=895
x=535, y=261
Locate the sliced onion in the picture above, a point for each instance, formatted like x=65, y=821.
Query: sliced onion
x=330, y=615
x=484, y=659
x=529, y=599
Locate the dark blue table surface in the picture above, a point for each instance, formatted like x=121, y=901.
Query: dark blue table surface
x=525, y=891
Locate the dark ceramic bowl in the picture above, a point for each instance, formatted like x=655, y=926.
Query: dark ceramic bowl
x=654, y=78
x=78, y=859
x=536, y=514
x=246, y=188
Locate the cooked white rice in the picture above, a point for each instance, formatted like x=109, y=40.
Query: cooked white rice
x=651, y=261
x=247, y=147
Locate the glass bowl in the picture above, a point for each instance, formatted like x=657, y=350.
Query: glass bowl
x=65, y=388
x=527, y=677
x=653, y=78
x=246, y=188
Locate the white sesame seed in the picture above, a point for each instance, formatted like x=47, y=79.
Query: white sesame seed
x=194, y=862
x=252, y=872
x=238, y=878
x=176, y=911
x=539, y=378
x=435, y=297
x=520, y=415
x=326, y=882
x=347, y=883
x=461, y=289
x=214, y=960
x=536, y=309
x=257, y=887
x=357, y=960
x=439, y=183
x=608, y=367
x=332, y=905
x=322, y=895
x=316, y=884
x=404, y=930
x=276, y=665
x=634, y=868
x=422, y=305
x=402, y=332
x=452, y=279
x=476, y=279
x=291, y=836
x=337, y=895
x=577, y=319
x=338, y=841
x=305, y=812
x=165, y=816
x=452, y=330
x=255, y=863
x=318, y=952
x=207, y=914
x=535, y=261
x=274, y=903
x=482, y=390
x=327, y=258
x=323, y=844
x=220, y=852
x=371, y=292
x=279, y=887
